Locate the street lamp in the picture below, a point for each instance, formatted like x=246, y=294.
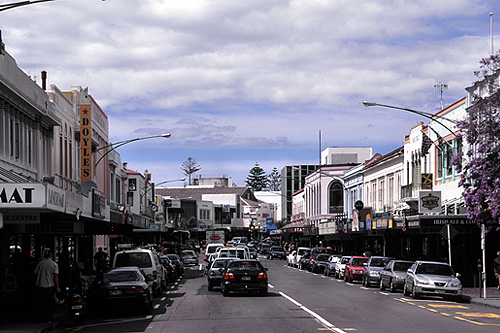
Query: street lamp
x=114, y=146
x=19, y=4
x=421, y=113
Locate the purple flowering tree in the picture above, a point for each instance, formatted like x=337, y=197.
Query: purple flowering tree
x=481, y=163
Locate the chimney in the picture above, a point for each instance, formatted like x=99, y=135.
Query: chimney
x=44, y=80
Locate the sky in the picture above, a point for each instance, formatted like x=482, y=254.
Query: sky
x=240, y=82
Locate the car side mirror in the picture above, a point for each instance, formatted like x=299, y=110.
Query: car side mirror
x=457, y=275
x=408, y=271
x=365, y=264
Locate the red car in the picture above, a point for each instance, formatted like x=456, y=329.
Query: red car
x=355, y=268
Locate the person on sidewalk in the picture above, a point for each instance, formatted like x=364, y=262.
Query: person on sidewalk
x=47, y=282
x=496, y=268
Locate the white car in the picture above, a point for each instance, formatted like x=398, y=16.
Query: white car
x=290, y=258
x=340, y=267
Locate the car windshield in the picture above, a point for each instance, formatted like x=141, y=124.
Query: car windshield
x=122, y=276
x=345, y=260
x=359, y=261
x=379, y=262
x=322, y=257
x=245, y=265
x=173, y=257
x=434, y=269
x=139, y=259
x=402, y=266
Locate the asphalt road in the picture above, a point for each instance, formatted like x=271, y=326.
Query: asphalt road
x=298, y=301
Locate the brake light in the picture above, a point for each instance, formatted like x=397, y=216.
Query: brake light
x=228, y=276
x=134, y=290
x=262, y=276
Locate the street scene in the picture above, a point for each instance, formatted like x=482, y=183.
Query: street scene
x=259, y=166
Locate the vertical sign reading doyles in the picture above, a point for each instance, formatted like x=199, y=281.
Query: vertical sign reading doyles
x=86, y=142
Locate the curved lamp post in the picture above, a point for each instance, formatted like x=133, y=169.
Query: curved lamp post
x=19, y=4
x=420, y=113
x=114, y=146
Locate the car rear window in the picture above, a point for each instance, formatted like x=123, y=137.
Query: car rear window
x=122, y=276
x=139, y=259
x=219, y=264
x=244, y=265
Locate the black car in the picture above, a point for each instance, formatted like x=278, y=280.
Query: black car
x=276, y=252
x=170, y=267
x=122, y=286
x=304, y=261
x=319, y=263
x=176, y=260
x=244, y=275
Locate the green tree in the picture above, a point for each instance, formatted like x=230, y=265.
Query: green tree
x=189, y=167
x=257, y=178
x=274, y=180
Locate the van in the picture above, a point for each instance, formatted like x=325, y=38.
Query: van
x=233, y=252
x=147, y=260
x=211, y=248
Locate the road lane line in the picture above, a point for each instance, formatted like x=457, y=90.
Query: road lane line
x=325, y=323
x=270, y=285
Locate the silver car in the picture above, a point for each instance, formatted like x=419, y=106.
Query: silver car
x=433, y=279
x=214, y=272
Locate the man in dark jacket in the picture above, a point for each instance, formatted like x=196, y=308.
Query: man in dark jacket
x=496, y=268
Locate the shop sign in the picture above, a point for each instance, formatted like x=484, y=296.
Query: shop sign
x=98, y=204
x=22, y=195
x=21, y=218
x=56, y=198
x=439, y=221
x=85, y=142
x=382, y=223
x=429, y=202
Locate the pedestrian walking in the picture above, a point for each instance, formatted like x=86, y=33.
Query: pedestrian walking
x=496, y=268
x=47, y=282
x=100, y=260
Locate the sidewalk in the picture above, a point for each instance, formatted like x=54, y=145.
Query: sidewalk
x=492, y=296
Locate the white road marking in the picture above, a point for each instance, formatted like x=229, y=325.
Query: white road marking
x=323, y=321
x=157, y=306
x=163, y=298
x=383, y=293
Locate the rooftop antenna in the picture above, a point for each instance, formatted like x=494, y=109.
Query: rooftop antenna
x=440, y=86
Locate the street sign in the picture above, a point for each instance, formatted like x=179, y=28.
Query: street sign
x=444, y=232
x=359, y=205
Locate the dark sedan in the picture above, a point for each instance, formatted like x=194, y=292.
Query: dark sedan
x=170, y=267
x=393, y=274
x=214, y=272
x=304, y=261
x=122, y=286
x=276, y=252
x=244, y=275
x=319, y=263
x=176, y=260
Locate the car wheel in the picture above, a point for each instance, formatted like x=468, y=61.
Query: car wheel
x=263, y=292
x=406, y=292
x=210, y=287
x=345, y=277
x=414, y=293
x=349, y=279
x=381, y=285
x=392, y=287
x=325, y=272
x=225, y=292
x=367, y=283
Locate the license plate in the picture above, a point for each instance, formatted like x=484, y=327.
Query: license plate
x=76, y=307
x=439, y=291
x=246, y=278
x=115, y=292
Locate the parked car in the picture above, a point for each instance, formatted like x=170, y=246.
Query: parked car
x=189, y=258
x=290, y=258
x=373, y=267
x=170, y=267
x=264, y=248
x=331, y=264
x=244, y=275
x=432, y=278
x=392, y=276
x=355, y=268
x=214, y=272
x=122, y=286
x=176, y=260
x=147, y=260
x=318, y=264
x=276, y=252
x=300, y=252
x=304, y=261
x=340, y=267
